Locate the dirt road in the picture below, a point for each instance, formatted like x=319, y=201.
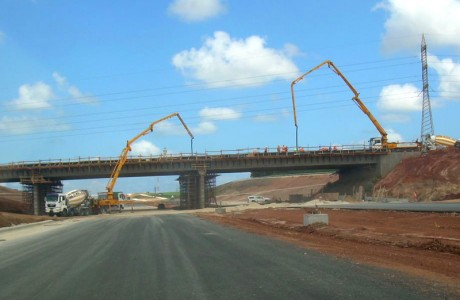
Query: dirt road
x=421, y=244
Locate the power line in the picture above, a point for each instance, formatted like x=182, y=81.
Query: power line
x=205, y=86
x=88, y=130
x=342, y=90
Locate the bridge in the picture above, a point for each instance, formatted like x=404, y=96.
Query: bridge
x=196, y=172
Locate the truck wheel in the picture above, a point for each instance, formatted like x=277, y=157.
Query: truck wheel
x=51, y=214
x=161, y=206
x=64, y=213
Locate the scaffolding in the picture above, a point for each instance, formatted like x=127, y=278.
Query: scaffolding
x=189, y=186
x=34, y=190
x=210, y=188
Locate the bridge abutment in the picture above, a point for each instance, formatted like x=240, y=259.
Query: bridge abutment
x=353, y=177
x=387, y=163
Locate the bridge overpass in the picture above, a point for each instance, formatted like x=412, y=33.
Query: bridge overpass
x=195, y=171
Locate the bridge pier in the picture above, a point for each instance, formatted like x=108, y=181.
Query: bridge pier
x=34, y=192
x=197, y=190
x=201, y=190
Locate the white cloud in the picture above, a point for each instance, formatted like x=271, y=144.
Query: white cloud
x=224, y=61
x=219, y=113
x=395, y=118
x=291, y=50
x=73, y=91
x=60, y=80
x=284, y=113
x=2, y=37
x=408, y=19
x=34, y=96
x=449, y=76
x=265, y=118
x=28, y=124
x=393, y=136
x=196, y=10
x=205, y=127
x=402, y=98
x=145, y=148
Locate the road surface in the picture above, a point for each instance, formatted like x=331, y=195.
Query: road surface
x=180, y=257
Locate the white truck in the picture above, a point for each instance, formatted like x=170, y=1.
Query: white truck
x=72, y=203
x=258, y=199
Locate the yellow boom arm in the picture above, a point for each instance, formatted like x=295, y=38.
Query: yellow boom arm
x=124, y=154
x=355, y=98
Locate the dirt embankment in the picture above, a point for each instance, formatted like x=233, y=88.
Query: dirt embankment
x=9, y=219
x=11, y=201
x=421, y=244
x=275, y=188
x=431, y=177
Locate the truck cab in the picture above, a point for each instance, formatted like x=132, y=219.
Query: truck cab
x=75, y=202
x=258, y=199
x=107, y=206
x=56, y=204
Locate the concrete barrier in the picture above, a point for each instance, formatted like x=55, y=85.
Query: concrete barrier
x=315, y=218
x=221, y=210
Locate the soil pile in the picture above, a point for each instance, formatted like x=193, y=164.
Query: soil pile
x=11, y=201
x=431, y=177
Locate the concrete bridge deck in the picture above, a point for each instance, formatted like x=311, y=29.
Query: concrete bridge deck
x=196, y=171
x=217, y=162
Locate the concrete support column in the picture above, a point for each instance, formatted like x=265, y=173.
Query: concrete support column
x=202, y=188
x=36, y=199
x=189, y=195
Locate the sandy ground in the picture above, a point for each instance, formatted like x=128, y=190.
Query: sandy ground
x=421, y=244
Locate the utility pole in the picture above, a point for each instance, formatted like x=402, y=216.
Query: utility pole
x=427, y=119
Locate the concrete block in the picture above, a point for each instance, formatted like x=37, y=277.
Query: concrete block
x=221, y=210
x=315, y=218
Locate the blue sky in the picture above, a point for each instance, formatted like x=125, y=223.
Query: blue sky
x=79, y=78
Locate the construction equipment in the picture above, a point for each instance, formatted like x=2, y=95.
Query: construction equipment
x=443, y=141
x=72, y=203
x=117, y=202
x=356, y=99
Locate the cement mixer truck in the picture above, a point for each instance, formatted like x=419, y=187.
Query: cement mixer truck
x=444, y=141
x=72, y=203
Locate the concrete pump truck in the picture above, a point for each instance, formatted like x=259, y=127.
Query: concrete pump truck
x=110, y=200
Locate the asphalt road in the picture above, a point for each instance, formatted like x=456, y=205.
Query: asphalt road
x=181, y=257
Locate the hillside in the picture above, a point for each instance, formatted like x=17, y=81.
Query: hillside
x=275, y=188
x=432, y=177
x=11, y=201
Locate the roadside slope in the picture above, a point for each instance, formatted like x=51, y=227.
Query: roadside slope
x=432, y=177
x=275, y=188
